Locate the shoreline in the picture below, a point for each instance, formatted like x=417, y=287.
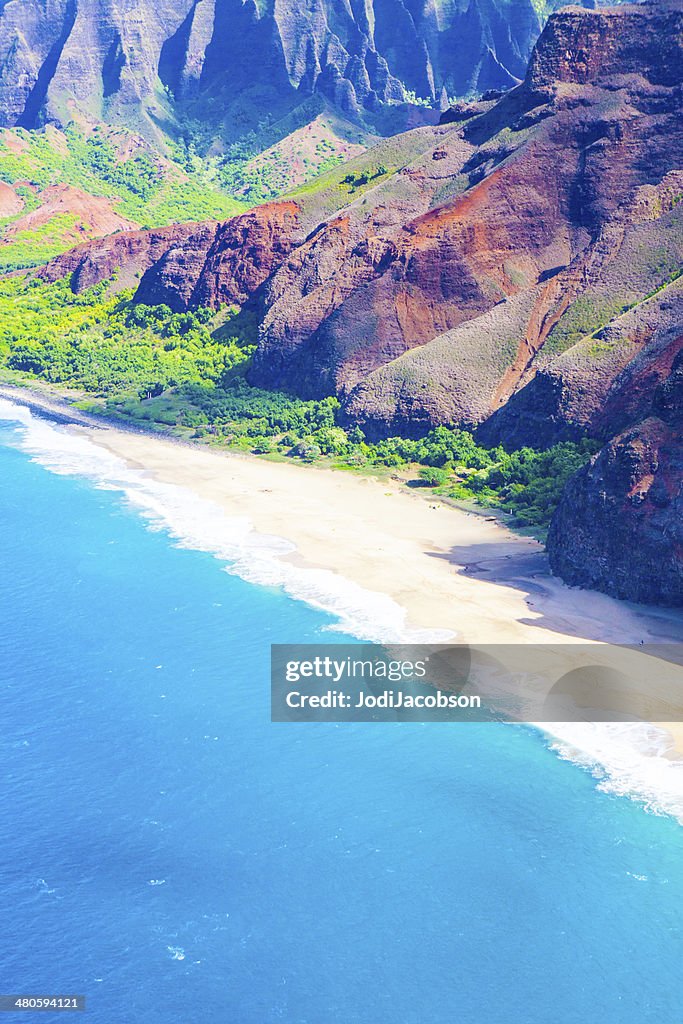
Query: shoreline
x=448, y=569
x=488, y=552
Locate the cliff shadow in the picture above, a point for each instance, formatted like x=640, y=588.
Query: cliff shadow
x=508, y=564
x=557, y=607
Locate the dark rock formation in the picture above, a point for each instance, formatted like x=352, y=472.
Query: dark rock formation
x=106, y=59
x=577, y=47
x=187, y=264
x=619, y=526
x=226, y=267
x=129, y=254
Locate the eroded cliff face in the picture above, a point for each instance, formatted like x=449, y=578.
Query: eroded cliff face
x=496, y=275
x=129, y=254
x=470, y=287
x=227, y=267
x=111, y=60
x=186, y=265
x=626, y=40
x=94, y=57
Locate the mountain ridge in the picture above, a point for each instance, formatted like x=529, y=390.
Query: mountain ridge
x=79, y=58
x=514, y=270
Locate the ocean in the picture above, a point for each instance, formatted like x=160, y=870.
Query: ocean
x=173, y=856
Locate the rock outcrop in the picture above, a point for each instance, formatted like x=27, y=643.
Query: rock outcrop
x=128, y=255
x=186, y=265
x=106, y=60
x=619, y=526
x=240, y=257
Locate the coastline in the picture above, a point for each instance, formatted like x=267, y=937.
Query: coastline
x=461, y=573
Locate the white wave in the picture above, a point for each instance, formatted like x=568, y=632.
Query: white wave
x=627, y=759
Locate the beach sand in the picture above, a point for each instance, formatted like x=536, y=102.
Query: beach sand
x=449, y=569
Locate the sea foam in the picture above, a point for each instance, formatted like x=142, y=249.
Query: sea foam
x=628, y=759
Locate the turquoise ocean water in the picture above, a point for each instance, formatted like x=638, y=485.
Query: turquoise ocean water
x=172, y=855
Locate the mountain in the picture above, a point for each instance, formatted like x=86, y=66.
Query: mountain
x=466, y=273
x=263, y=95
x=236, y=60
x=514, y=270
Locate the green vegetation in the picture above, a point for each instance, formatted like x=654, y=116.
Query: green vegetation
x=150, y=190
x=346, y=186
x=411, y=97
x=587, y=315
x=266, y=147
x=185, y=371
x=360, y=179
x=525, y=484
x=102, y=342
x=268, y=175
x=251, y=128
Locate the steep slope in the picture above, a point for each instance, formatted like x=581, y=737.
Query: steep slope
x=566, y=211
x=75, y=58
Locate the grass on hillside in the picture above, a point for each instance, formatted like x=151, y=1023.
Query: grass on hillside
x=261, y=147
x=38, y=245
x=144, y=188
x=149, y=190
x=309, y=151
x=114, y=163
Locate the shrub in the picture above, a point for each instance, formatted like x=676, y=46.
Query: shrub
x=433, y=477
x=307, y=450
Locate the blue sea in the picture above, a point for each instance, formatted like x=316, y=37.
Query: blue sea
x=175, y=857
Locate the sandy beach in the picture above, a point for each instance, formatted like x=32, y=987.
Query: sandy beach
x=451, y=570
